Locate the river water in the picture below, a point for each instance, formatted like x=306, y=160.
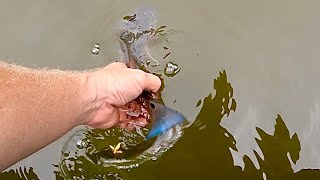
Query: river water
x=257, y=59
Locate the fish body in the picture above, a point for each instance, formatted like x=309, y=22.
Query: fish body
x=137, y=30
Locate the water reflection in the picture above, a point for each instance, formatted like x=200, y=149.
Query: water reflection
x=276, y=149
x=21, y=173
x=204, y=151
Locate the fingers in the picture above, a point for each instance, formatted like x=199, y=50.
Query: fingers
x=149, y=82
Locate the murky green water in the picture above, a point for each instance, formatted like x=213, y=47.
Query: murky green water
x=248, y=80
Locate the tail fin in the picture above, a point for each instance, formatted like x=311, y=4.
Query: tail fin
x=163, y=119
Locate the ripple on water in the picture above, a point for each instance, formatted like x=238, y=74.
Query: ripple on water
x=91, y=150
x=86, y=147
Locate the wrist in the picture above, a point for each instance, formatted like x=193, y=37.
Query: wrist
x=95, y=98
x=88, y=97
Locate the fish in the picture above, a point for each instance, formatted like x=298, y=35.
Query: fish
x=136, y=32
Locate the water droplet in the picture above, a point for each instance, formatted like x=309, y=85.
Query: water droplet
x=96, y=49
x=171, y=69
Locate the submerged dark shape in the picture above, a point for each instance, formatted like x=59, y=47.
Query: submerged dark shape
x=136, y=32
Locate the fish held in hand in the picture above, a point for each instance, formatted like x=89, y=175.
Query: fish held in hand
x=148, y=107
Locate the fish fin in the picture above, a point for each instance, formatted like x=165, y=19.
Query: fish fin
x=163, y=119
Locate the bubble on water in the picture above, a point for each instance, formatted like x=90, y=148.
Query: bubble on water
x=81, y=144
x=171, y=69
x=96, y=49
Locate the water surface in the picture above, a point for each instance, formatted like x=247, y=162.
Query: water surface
x=252, y=64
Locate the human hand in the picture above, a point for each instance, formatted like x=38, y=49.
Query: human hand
x=111, y=88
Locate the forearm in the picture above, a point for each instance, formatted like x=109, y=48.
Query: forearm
x=36, y=108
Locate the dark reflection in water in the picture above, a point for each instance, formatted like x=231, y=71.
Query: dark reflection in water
x=275, y=149
x=21, y=173
x=204, y=150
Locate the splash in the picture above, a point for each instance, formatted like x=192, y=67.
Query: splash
x=137, y=30
x=90, y=149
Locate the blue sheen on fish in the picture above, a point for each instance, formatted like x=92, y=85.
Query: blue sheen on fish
x=164, y=118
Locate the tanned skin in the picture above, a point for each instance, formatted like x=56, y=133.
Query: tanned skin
x=38, y=106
